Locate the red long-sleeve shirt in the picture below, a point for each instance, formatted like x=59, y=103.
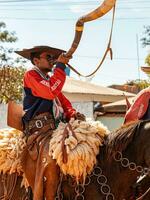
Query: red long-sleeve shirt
x=40, y=91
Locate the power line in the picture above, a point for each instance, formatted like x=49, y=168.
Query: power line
x=62, y=9
x=115, y=58
x=20, y=1
x=127, y=8
x=73, y=19
x=84, y=2
x=68, y=3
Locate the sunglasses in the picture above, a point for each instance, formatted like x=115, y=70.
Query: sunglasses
x=48, y=57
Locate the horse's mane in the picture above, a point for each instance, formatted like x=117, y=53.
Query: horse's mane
x=119, y=139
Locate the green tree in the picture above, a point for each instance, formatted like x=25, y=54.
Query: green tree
x=146, y=42
x=147, y=60
x=146, y=39
x=5, y=37
x=140, y=84
x=11, y=83
x=11, y=70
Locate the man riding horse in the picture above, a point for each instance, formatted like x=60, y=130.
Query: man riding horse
x=44, y=104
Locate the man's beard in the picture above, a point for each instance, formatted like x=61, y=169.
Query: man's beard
x=48, y=70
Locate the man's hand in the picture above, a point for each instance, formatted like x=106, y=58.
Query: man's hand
x=79, y=116
x=63, y=59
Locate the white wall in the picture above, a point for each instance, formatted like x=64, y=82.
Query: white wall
x=85, y=108
x=112, y=123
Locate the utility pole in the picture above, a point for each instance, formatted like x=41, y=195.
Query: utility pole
x=138, y=59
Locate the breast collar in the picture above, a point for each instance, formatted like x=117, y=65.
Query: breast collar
x=41, y=73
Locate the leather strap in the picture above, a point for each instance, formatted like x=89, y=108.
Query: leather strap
x=40, y=123
x=9, y=183
x=65, y=135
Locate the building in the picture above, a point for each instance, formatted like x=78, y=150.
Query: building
x=112, y=114
x=83, y=96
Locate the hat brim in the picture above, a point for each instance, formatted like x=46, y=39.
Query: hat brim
x=26, y=53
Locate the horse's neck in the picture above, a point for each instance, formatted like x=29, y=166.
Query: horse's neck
x=118, y=176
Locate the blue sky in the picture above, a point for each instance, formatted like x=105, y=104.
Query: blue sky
x=52, y=22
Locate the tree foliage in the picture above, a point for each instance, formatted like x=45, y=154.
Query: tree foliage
x=140, y=84
x=5, y=35
x=11, y=70
x=11, y=83
x=147, y=60
x=146, y=39
x=5, y=38
x=146, y=42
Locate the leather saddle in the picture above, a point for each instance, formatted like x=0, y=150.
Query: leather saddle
x=14, y=115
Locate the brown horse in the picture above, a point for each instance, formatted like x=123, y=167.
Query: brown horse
x=122, y=160
x=10, y=188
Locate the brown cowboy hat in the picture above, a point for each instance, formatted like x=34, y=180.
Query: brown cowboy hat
x=26, y=53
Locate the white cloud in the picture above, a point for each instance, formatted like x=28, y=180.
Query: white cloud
x=77, y=9
x=69, y=1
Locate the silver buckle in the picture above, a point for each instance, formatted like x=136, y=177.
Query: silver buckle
x=39, y=123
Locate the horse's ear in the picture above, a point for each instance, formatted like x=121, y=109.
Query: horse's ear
x=14, y=115
x=128, y=105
